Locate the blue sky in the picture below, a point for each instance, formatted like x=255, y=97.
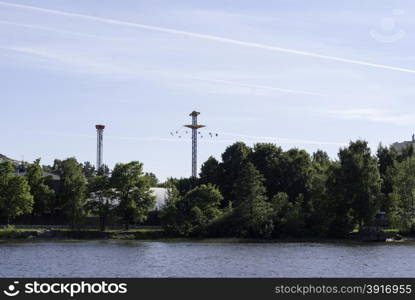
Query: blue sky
x=306, y=74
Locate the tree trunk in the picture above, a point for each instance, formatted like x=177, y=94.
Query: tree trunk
x=103, y=222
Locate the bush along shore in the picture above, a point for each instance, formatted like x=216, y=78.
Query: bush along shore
x=261, y=192
x=10, y=233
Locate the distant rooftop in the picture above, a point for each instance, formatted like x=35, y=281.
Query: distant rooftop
x=400, y=146
x=21, y=169
x=4, y=158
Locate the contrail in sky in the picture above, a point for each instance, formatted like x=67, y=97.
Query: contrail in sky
x=209, y=37
x=226, y=82
x=261, y=87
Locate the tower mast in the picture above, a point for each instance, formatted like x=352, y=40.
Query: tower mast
x=100, y=145
x=194, y=128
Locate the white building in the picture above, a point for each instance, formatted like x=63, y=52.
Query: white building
x=159, y=193
x=161, y=196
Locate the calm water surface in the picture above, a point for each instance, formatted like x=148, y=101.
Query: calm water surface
x=197, y=259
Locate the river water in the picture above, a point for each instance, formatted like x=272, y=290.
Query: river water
x=199, y=259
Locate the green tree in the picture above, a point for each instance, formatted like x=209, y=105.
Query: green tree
x=289, y=172
x=88, y=169
x=269, y=161
x=100, y=199
x=152, y=179
x=355, y=187
x=42, y=193
x=404, y=194
x=57, y=166
x=192, y=214
x=252, y=213
x=387, y=165
x=183, y=185
x=210, y=171
x=103, y=170
x=73, y=191
x=169, y=215
x=296, y=179
x=339, y=214
x=132, y=190
x=287, y=216
x=406, y=153
x=315, y=210
x=321, y=158
x=233, y=160
x=15, y=197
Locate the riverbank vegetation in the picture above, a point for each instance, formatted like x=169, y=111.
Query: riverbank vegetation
x=122, y=196
x=253, y=192
x=270, y=193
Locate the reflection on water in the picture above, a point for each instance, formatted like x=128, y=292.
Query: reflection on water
x=196, y=259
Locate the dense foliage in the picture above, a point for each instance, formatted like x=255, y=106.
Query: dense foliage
x=122, y=197
x=259, y=192
x=269, y=192
x=15, y=197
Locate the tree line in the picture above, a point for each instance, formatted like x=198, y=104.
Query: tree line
x=260, y=192
x=263, y=191
x=122, y=195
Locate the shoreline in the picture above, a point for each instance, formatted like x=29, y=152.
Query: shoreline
x=158, y=235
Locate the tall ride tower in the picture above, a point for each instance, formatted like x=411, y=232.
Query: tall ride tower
x=100, y=144
x=194, y=128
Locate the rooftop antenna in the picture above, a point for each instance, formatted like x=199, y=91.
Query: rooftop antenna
x=194, y=128
x=100, y=145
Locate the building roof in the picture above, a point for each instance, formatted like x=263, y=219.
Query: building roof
x=399, y=147
x=4, y=158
